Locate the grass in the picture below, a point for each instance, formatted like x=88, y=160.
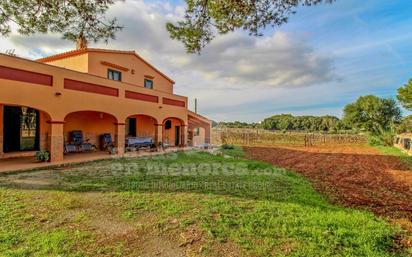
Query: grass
x=393, y=151
x=32, y=240
x=233, y=151
x=248, y=207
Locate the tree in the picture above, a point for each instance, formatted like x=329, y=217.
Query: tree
x=300, y=123
x=206, y=18
x=372, y=114
x=80, y=21
x=405, y=95
x=328, y=123
x=237, y=124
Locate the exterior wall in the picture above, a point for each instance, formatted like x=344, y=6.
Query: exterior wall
x=197, y=121
x=45, y=130
x=59, y=101
x=92, y=124
x=169, y=134
x=145, y=126
x=200, y=139
x=1, y=130
x=133, y=64
x=77, y=63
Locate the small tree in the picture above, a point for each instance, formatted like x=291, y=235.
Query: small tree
x=80, y=21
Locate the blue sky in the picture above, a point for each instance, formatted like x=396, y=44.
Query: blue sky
x=325, y=57
x=369, y=42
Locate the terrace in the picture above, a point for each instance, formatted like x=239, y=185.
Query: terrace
x=20, y=164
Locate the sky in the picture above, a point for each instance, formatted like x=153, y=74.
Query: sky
x=325, y=57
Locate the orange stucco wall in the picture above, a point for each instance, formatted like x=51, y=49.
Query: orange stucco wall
x=199, y=140
x=44, y=130
x=1, y=130
x=77, y=63
x=58, y=102
x=132, y=63
x=92, y=124
x=169, y=134
x=145, y=126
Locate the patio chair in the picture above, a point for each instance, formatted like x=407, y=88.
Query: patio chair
x=69, y=148
x=81, y=144
x=106, y=143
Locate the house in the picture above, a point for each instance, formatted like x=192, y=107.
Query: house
x=96, y=91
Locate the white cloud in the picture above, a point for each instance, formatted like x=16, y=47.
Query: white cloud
x=275, y=61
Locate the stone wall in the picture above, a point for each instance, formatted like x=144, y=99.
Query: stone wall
x=404, y=142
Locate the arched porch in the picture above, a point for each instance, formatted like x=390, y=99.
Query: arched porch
x=23, y=130
x=90, y=131
x=141, y=131
x=173, y=132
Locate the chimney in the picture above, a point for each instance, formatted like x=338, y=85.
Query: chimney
x=196, y=105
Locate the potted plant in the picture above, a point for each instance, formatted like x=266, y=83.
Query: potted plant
x=43, y=156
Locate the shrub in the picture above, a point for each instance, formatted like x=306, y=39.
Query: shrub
x=228, y=147
x=382, y=139
x=42, y=156
x=375, y=140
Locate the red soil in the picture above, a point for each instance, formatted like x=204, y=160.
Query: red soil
x=353, y=176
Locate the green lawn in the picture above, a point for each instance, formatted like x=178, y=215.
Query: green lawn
x=227, y=205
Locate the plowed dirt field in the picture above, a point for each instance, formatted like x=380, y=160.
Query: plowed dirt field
x=357, y=177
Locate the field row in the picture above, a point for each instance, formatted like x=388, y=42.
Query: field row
x=264, y=137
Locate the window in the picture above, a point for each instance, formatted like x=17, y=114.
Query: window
x=148, y=83
x=114, y=75
x=168, y=124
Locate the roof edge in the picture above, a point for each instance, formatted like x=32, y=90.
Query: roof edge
x=198, y=116
x=99, y=50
